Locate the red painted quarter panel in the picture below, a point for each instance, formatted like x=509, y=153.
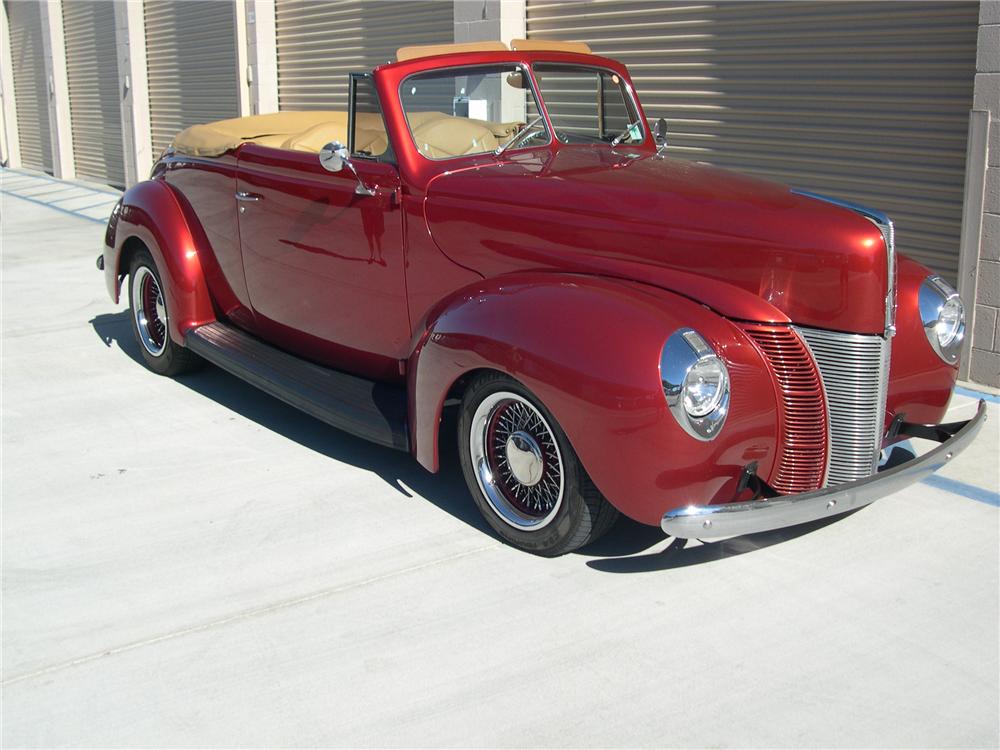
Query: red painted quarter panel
x=151, y=213
x=204, y=188
x=589, y=349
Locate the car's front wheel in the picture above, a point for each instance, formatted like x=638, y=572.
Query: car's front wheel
x=149, y=313
x=523, y=473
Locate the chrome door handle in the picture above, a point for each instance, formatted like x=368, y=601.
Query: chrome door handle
x=252, y=197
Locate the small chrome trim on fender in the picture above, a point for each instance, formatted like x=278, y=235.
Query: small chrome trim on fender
x=734, y=519
x=885, y=225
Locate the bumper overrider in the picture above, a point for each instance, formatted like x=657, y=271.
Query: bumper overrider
x=734, y=519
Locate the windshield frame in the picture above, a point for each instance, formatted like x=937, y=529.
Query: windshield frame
x=631, y=100
x=520, y=66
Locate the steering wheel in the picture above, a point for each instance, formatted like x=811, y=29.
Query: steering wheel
x=521, y=135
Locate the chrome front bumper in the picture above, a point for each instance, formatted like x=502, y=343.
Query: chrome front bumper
x=734, y=519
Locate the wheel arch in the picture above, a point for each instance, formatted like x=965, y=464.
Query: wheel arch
x=588, y=348
x=130, y=247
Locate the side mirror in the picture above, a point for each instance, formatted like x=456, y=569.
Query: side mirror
x=660, y=133
x=333, y=155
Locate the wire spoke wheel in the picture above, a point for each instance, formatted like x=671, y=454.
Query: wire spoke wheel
x=149, y=311
x=517, y=461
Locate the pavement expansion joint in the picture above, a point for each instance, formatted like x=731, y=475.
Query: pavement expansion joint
x=245, y=615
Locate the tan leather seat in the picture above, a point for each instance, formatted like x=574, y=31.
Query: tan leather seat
x=439, y=136
x=369, y=137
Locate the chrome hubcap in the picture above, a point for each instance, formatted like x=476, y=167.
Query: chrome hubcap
x=517, y=461
x=524, y=458
x=149, y=311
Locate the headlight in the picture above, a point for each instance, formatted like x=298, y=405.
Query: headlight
x=705, y=386
x=695, y=383
x=943, y=316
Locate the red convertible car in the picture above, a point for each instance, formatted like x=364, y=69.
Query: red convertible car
x=502, y=230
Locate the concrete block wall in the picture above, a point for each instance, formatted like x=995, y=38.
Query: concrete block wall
x=984, y=356
x=489, y=20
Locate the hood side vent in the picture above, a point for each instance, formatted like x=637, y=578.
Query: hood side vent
x=801, y=459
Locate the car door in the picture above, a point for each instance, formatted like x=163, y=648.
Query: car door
x=324, y=263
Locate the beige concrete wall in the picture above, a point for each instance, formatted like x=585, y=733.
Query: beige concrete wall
x=60, y=127
x=10, y=148
x=262, y=56
x=489, y=20
x=984, y=356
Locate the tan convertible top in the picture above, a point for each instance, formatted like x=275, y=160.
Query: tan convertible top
x=436, y=134
x=215, y=138
x=296, y=131
x=524, y=45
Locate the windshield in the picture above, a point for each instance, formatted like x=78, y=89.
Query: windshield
x=588, y=105
x=476, y=110
x=466, y=111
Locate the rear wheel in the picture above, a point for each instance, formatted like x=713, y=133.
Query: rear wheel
x=522, y=472
x=149, y=317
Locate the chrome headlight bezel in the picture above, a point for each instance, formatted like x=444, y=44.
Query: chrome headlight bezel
x=937, y=297
x=683, y=351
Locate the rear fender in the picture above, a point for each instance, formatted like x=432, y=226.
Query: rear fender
x=589, y=348
x=149, y=213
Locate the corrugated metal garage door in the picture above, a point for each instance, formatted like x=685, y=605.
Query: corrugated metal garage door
x=192, y=63
x=865, y=101
x=31, y=91
x=94, y=101
x=319, y=43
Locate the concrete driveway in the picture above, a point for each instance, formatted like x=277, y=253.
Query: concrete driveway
x=191, y=563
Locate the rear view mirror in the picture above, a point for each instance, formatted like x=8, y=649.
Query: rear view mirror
x=332, y=156
x=660, y=132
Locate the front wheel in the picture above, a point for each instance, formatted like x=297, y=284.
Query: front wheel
x=523, y=473
x=149, y=320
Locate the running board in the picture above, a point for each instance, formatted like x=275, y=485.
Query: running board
x=370, y=410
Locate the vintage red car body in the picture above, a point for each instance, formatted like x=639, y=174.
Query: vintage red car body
x=564, y=267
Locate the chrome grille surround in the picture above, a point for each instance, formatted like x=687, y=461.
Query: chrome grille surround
x=854, y=370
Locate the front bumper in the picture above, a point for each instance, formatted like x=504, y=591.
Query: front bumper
x=734, y=519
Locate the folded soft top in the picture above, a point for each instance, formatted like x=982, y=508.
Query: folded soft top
x=437, y=134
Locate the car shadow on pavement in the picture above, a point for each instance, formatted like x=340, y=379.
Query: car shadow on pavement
x=677, y=554
x=445, y=489
x=620, y=551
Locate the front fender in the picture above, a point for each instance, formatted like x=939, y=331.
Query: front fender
x=150, y=213
x=588, y=348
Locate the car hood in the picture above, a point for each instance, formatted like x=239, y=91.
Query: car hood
x=749, y=248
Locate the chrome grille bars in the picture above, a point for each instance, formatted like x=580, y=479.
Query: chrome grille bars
x=855, y=374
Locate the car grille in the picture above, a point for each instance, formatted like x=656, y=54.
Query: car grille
x=802, y=423
x=855, y=375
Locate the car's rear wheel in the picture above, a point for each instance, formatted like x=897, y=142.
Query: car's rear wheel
x=523, y=473
x=149, y=316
